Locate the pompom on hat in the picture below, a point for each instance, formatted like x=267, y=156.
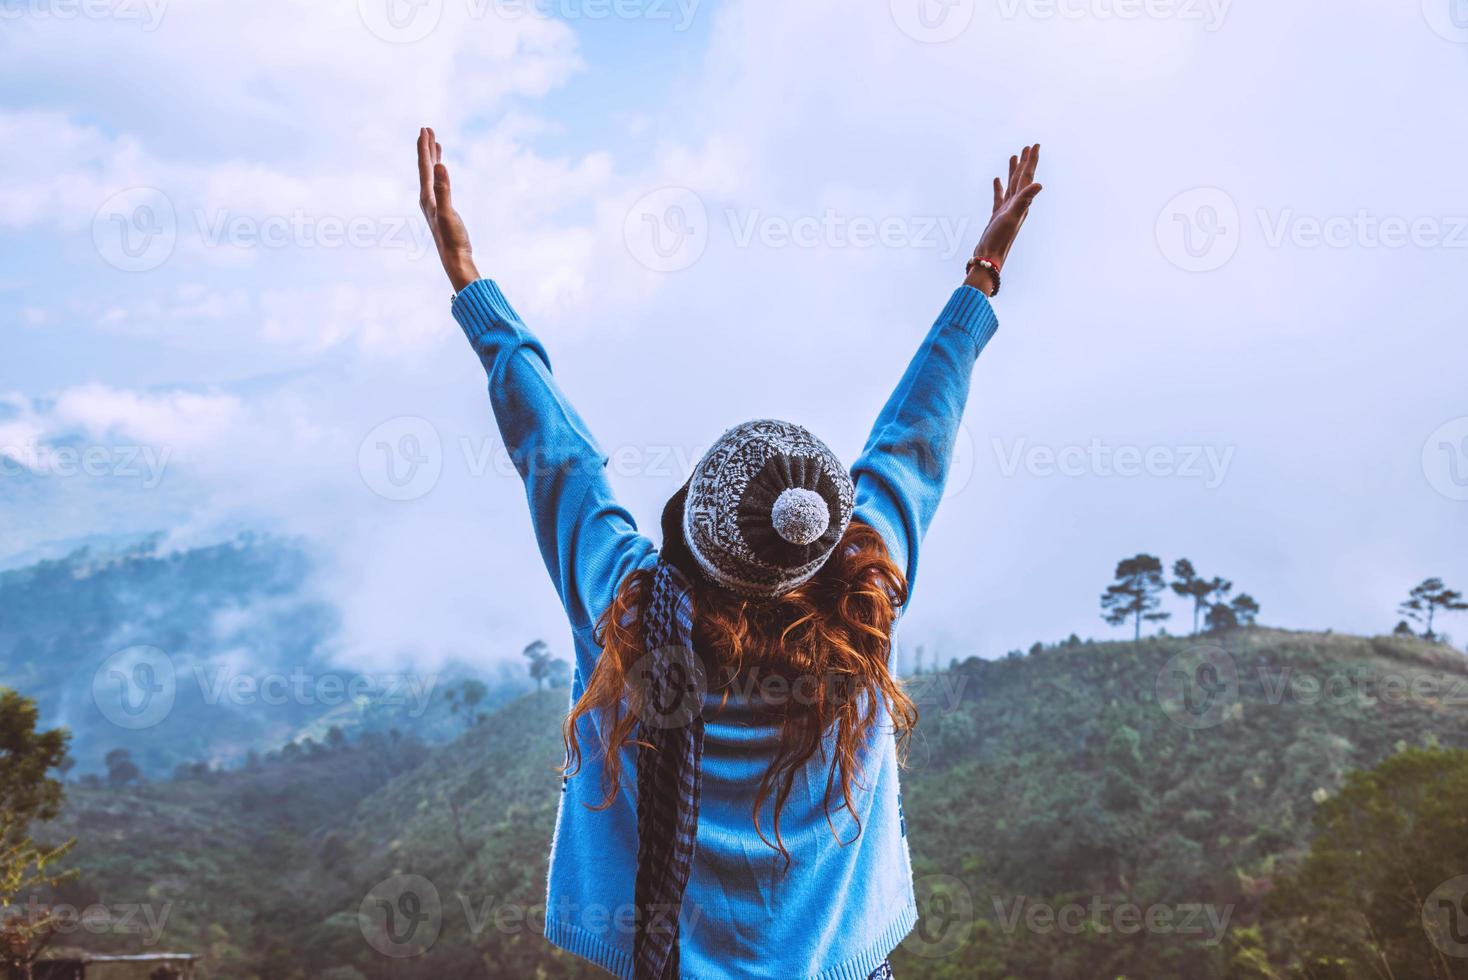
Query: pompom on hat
x=762, y=512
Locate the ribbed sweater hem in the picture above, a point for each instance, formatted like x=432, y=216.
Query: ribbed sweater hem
x=970, y=311
x=480, y=306
x=861, y=967
x=578, y=942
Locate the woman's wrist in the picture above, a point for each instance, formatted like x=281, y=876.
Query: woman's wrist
x=461, y=271
x=981, y=279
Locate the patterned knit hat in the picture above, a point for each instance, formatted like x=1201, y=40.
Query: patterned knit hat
x=764, y=509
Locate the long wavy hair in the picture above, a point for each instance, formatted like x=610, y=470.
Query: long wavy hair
x=828, y=639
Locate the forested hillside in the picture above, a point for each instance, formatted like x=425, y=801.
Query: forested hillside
x=1046, y=795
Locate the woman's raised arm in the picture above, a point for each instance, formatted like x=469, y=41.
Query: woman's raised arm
x=903, y=469
x=588, y=542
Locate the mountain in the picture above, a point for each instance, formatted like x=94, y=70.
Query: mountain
x=1046, y=796
x=201, y=655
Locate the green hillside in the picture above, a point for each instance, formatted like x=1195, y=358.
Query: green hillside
x=1082, y=776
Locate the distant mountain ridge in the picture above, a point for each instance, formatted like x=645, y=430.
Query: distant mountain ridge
x=200, y=655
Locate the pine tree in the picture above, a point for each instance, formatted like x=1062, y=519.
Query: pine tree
x=1424, y=602
x=1190, y=585
x=1134, y=593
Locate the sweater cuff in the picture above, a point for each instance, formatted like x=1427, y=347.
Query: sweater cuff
x=969, y=311
x=480, y=307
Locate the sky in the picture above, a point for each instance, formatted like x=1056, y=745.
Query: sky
x=1232, y=329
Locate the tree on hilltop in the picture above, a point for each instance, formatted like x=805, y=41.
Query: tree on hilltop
x=1134, y=594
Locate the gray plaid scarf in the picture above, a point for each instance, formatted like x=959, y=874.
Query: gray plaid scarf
x=669, y=763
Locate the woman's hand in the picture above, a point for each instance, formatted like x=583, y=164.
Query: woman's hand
x=434, y=197
x=1011, y=207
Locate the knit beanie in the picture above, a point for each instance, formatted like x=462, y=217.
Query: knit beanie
x=763, y=510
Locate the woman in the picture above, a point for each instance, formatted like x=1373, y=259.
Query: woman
x=730, y=805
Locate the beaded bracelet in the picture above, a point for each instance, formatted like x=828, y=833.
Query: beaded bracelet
x=987, y=264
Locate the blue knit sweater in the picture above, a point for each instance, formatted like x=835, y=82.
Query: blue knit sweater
x=839, y=910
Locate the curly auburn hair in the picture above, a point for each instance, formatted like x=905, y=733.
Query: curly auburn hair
x=831, y=635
